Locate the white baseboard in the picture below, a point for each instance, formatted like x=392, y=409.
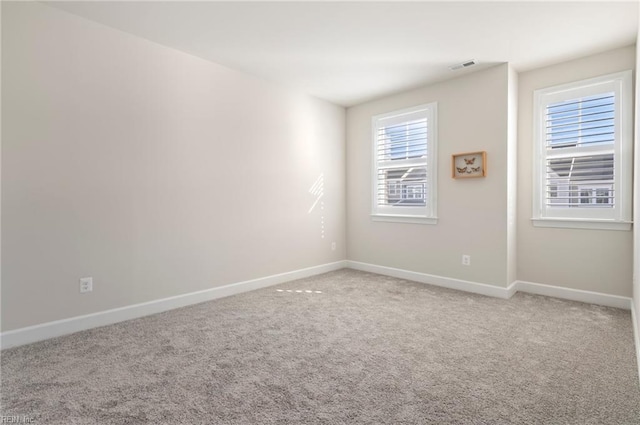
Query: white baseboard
x=636, y=333
x=574, y=294
x=79, y=323
x=446, y=282
x=497, y=291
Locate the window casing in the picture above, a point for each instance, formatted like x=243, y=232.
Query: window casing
x=583, y=154
x=404, y=165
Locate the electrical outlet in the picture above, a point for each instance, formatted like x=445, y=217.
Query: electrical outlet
x=333, y=246
x=86, y=285
x=466, y=260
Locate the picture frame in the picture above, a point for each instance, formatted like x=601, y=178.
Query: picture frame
x=469, y=165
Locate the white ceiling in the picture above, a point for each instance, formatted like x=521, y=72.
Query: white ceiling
x=349, y=52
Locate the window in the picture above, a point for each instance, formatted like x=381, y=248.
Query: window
x=583, y=154
x=404, y=165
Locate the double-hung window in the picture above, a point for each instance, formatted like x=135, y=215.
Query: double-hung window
x=583, y=154
x=404, y=165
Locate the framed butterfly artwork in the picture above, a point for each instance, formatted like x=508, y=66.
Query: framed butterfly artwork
x=469, y=165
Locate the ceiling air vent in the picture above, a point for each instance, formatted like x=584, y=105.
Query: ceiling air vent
x=464, y=64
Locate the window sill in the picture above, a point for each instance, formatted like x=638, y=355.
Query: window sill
x=582, y=224
x=404, y=219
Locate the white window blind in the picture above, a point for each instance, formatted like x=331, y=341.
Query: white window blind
x=579, y=177
x=583, y=168
x=404, y=165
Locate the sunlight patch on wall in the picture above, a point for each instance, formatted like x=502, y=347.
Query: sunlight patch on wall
x=317, y=190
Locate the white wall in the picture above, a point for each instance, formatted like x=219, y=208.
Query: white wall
x=1, y=7
x=593, y=260
x=512, y=176
x=636, y=208
x=153, y=171
x=472, y=116
x=159, y=174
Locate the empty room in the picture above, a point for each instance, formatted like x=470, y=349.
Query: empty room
x=319, y=212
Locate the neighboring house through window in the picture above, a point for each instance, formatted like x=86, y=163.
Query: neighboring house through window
x=583, y=154
x=404, y=165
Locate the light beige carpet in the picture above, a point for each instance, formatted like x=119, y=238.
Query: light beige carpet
x=359, y=348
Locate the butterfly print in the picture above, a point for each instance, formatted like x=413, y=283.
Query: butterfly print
x=469, y=161
x=461, y=170
x=475, y=169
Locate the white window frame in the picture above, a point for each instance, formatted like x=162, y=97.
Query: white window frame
x=419, y=215
x=619, y=216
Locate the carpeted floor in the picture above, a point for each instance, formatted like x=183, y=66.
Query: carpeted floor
x=350, y=348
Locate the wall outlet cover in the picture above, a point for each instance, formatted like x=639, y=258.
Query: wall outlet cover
x=86, y=284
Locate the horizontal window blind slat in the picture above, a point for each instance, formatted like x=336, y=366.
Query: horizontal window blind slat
x=590, y=123
x=592, y=116
x=581, y=128
x=558, y=166
x=581, y=135
x=602, y=174
x=399, y=132
x=578, y=112
x=586, y=166
x=560, y=146
x=592, y=99
x=581, y=161
x=578, y=205
x=385, y=133
x=404, y=125
x=411, y=162
x=410, y=147
x=581, y=105
x=401, y=146
x=390, y=141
